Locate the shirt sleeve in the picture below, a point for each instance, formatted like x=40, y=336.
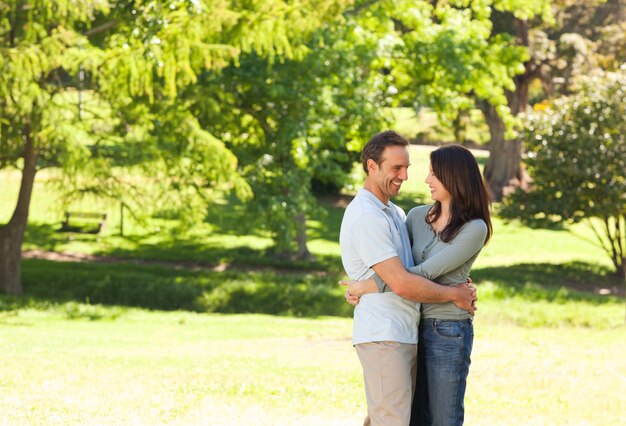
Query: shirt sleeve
x=372, y=236
x=409, y=228
x=466, y=244
x=381, y=285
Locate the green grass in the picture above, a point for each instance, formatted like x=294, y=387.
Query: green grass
x=527, y=295
x=165, y=288
x=142, y=341
x=138, y=367
x=176, y=368
x=425, y=126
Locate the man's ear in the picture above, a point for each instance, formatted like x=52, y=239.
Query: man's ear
x=371, y=165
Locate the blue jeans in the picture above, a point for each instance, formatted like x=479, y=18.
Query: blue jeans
x=444, y=353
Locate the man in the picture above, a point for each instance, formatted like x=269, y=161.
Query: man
x=373, y=239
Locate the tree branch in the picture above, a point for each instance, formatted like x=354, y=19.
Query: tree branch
x=599, y=237
x=620, y=236
x=101, y=28
x=361, y=7
x=611, y=237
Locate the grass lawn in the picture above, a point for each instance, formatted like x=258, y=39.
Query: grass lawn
x=425, y=126
x=146, y=368
x=549, y=348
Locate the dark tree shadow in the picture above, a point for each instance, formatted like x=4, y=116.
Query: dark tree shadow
x=48, y=236
x=47, y=284
x=545, y=281
x=296, y=293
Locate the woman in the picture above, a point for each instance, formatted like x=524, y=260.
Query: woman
x=446, y=238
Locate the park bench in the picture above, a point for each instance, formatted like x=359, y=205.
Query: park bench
x=85, y=222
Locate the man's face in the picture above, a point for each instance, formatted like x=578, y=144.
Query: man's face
x=392, y=172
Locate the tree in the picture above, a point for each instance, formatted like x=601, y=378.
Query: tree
x=35, y=48
x=564, y=39
x=577, y=160
x=295, y=122
x=452, y=56
x=298, y=121
x=130, y=60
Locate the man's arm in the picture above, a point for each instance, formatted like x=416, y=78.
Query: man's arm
x=419, y=289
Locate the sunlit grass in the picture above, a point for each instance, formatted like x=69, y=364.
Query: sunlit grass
x=425, y=126
x=184, y=368
x=163, y=367
x=535, y=376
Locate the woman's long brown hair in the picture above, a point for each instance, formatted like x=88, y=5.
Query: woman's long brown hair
x=457, y=169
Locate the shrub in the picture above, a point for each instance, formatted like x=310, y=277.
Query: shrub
x=576, y=151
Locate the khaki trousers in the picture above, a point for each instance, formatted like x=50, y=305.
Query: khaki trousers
x=389, y=374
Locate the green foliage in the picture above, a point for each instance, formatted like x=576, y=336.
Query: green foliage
x=577, y=159
x=565, y=40
x=100, y=89
x=564, y=283
x=296, y=124
x=102, y=285
x=164, y=106
x=525, y=9
x=271, y=294
x=172, y=104
x=447, y=56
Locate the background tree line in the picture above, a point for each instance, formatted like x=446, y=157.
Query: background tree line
x=175, y=103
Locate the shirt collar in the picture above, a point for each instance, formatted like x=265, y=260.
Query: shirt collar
x=370, y=196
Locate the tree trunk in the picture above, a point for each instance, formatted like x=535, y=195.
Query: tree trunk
x=303, y=251
x=504, y=171
x=618, y=244
x=12, y=234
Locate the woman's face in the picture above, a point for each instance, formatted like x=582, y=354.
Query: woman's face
x=438, y=192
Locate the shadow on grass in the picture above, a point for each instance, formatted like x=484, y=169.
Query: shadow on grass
x=153, y=287
x=48, y=236
x=228, y=249
x=553, y=283
x=194, y=252
x=83, y=285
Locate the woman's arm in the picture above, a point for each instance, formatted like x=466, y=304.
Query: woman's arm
x=469, y=241
x=416, y=288
x=359, y=288
x=465, y=245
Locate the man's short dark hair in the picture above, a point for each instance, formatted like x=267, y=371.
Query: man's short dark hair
x=373, y=149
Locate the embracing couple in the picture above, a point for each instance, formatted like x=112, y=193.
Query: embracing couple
x=410, y=282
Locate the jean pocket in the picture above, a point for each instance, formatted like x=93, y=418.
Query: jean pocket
x=448, y=329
